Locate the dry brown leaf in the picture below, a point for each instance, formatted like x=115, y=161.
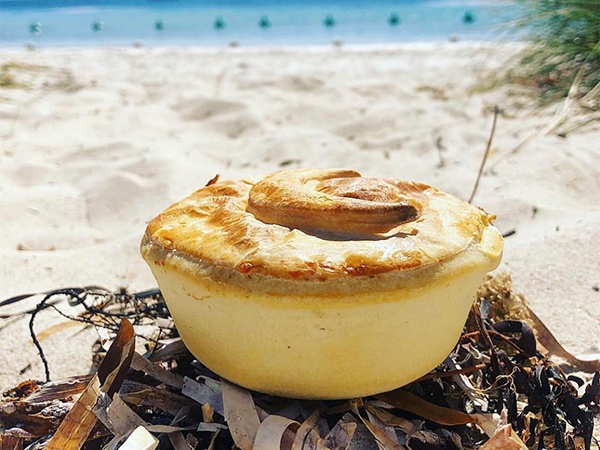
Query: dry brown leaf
x=11, y=439
x=79, y=422
x=58, y=390
x=210, y=426
x=169, y=428
x=240, y=414
x=155, y=371
x=342, y=433
x=307, y=436
x=312, y=441
x=209, y=392
x=176, y=437
x=504, y=439
x=383, y=440
x=144, y=395
x=389, y=431
x=21, y=419
x=407, y=401
x=404, y=425
x=276, y=433
x=213, y=441
x=547, y=339
x=207, y=412
x=119, y=418
x=363, y=439
x=426, y=439
x=178, y=441
x=169, y=351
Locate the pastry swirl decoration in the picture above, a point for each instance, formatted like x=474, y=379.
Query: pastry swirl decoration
x=334, y=202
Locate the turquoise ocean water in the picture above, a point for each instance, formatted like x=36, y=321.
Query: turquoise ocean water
x=51, y=23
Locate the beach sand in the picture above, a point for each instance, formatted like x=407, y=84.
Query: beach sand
x=95, y=142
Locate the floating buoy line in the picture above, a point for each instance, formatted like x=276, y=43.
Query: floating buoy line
x=264, y=22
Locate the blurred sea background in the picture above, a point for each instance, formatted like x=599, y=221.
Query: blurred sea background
x=213, y=23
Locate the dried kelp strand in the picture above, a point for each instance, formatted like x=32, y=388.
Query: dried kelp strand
x=587, y=429
x=541, y=377
x=577, y=380
x=526, y=341
x=592, y=391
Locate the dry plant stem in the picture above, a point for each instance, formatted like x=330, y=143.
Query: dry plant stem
x=40, y=306
x=567, y=105
x=485, y=155
x=588, y=99
x=47, y=301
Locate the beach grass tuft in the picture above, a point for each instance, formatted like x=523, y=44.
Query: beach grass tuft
x=17, y=75
x=7, y=76
x=564, y=56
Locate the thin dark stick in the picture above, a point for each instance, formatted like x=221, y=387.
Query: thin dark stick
x=485, y=155
x=78, y=296
x=34, y=338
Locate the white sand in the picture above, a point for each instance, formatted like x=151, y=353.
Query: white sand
x=101, y=140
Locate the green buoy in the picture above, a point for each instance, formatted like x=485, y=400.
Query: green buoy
x=329, y=21
x=219, y=23
x=35, y=27
x=264, y=22
x=394, y=19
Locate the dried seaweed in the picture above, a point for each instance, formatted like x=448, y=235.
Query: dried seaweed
x=103, y=308
x=507, y=384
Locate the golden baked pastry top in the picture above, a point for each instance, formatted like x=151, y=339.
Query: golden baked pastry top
x=313, y=225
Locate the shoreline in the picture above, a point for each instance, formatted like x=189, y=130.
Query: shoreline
x=103, y=139
x=366, y=46
x=506, y=50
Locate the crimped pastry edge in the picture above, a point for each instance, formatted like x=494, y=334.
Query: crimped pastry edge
x=471, y=258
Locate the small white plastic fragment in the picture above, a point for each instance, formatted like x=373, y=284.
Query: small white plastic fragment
x=140, y=439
